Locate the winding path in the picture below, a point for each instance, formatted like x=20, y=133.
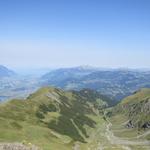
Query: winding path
x=113, y=141
x=123, y=142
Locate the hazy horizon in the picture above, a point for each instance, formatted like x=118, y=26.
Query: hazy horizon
x=62, y=33
x=50, y=68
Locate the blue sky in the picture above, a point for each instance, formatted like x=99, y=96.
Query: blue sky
x=64, y=33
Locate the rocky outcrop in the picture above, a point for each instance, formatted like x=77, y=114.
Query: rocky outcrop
x=17, y=146
x=146, y=125
x=130, y=124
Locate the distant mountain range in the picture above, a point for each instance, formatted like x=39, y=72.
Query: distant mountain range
x=5, y=72
x=116, y=83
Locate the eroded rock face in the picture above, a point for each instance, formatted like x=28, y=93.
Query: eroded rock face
x=17, y=146
x=130, y=124
x=146, y=125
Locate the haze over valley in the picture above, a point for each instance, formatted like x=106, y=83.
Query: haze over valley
x=115, y=83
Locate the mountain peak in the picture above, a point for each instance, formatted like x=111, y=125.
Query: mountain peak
x=5, y=72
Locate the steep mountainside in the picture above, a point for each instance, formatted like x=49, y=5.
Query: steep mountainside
x=50, y=117
x=53, y=119
x=137, y=109
x=61, y=77
x=5, y=72
x=115, y=83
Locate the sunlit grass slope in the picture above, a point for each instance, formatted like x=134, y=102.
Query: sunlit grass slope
x=136, y=108
x=50, y=118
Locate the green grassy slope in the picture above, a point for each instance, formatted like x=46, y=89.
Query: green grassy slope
x=137, y=108
x=50, y=118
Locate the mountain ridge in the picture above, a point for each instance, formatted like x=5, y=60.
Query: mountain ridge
x=117, y=83
x=52, y=110
x=52, y=118
x=5, y=72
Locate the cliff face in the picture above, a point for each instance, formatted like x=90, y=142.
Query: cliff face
x=137, y=108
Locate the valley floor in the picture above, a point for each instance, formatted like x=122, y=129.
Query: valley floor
x=106, y=137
